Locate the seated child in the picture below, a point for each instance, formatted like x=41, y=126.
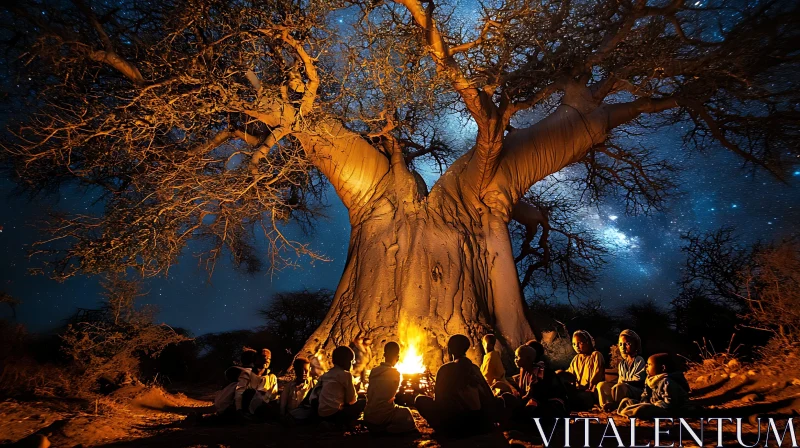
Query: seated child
x=631, y=373
x=492, y=367
x=266, y=395
x=537, y=390
x=585, y=371
x=237, y=395
x=664, y=392
x=553, y=395
x=295, y=392
x=384, y=381
x=262, y=362
x=462, y=403
x=337, y=399
x=523, y=401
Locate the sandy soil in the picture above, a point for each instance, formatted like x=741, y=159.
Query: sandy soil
x=137, y=416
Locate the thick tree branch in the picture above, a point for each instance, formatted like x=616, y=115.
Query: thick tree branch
x=621, y=113
x=540, y=96
x=215, y=141
x=490, y=119
x=351, y=164
x=259, y=154
x=107, y=56
x=478, y=106
x=562, y=138
x=87, y=11
x=611, y=40
x=310, y=91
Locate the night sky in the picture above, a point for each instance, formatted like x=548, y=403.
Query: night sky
x=644, y=263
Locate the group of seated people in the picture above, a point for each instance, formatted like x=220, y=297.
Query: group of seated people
x=645, y=390
x=331, y=397
x=467, y=398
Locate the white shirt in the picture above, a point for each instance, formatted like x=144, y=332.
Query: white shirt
x=337, y=391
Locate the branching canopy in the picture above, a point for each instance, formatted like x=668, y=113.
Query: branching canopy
x=214, y=119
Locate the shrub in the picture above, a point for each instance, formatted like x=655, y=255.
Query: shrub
x=772, y=291
x=105, y=345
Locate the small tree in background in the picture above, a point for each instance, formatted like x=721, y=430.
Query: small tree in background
x=12, y=334
x=293, y=316
x=714, y=264
x=11, y=301
x=698, y=318
x=709, y=307
x=731, y=288
x=107, y=343
x=772, y=291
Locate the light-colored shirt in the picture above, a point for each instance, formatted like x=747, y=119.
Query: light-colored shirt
x=588, y=369
x=492, y=367
x=269, y=386
x=247, y=380
x=337, y=391
x=294, y=393
x=384, y=381
x=633, y=372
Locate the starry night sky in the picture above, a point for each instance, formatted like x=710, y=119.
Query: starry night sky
x=644, y=263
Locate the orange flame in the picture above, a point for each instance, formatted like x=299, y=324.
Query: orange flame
x=411, y=354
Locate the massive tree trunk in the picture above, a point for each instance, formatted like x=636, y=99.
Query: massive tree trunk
x=439, y=263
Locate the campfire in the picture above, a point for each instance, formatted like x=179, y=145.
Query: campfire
x=411, y=361
x=416, y=379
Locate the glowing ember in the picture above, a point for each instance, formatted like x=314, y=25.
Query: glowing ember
x=411, y=353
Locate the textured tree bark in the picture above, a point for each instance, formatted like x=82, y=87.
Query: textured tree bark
x=441, y=263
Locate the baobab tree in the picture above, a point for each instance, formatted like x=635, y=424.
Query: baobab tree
x=207, y=119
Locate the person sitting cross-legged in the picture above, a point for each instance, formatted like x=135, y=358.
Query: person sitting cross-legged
x=523, y=400
x=492, y=366
x=294, y=405
x=265, y=401
x=631, y=373
x=462, y=403
x=537, y=391
x=233, y=402
x=248, y=382
x=337, y=399
x=381, y=414
x=585, y=372
x=551, y=392
x=666, y=391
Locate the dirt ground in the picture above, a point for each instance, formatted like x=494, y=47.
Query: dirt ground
x=138, y=416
